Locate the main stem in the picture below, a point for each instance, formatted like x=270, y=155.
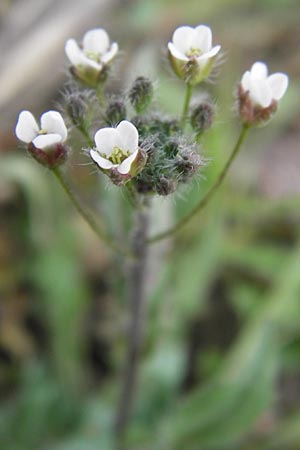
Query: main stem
x=87, y=215
x=137, y=307
x=205, y=200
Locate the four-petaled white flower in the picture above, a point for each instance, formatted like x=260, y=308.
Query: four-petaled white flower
x=264, y=89
x=258, y=94
x=117, y=149
x=52, y=130
x=192, y=54
x=89, y=60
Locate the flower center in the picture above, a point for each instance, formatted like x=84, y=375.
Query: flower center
x=41, y=131
x=117, y=156
x=194, y=52
x=93, y=56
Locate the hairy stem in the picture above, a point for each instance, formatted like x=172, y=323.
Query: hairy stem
x=207, y=197
x=188, y=96
x=137, y=307
x=87, y=215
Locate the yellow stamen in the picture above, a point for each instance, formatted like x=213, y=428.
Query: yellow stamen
x=194, y=52
x=117, y=156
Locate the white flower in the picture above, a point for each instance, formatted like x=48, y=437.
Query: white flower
x=95, y=53
x=192, y=46
x=264, y=89
x=117, y=148
x=52, y=130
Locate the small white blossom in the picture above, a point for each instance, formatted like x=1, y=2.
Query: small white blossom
x=116, y=148
x=264, y=89
x=191, y=53
x=95, y=53
x=52, y=130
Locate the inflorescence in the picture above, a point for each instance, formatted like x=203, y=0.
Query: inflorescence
x=137, y=145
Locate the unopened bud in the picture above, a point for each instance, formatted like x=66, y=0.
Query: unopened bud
x=141, y=93
x=166, y=186
x=115, y=111
x=77, y=107
x=172, y=147
x=202, y=116
x=187, y=164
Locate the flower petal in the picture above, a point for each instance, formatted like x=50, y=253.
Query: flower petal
x=73, y=52
x=177, y=53
x=203, y=38
x=245, y=82
x=278, y=83
x=46, y=140
x=129, y=136
x=183, y=38
x=77, y=57
x=259, y=70
x=96, y=41
x=98, y=159
x=260, y=92
x=26, y=127
x=106, y=139
x=108, y=56
x=52, y=122
x=213, y=52
x=125, y=166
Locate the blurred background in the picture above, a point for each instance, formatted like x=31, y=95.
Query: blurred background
x=221, y=359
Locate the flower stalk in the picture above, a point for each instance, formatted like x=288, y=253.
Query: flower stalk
x=87, y=215
x=187, y=100
x=210, y=193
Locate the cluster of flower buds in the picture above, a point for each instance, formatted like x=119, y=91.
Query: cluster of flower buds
x=147, y=148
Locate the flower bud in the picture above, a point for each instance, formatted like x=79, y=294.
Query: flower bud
x=166, y=186
x=141, y=93
x=187, y=164
x=171, y=147
x=202, y=116
x=115, y=111
x=259, y=94
x=77, y=107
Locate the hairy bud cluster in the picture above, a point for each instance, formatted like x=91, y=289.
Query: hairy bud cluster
x=171, y=160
